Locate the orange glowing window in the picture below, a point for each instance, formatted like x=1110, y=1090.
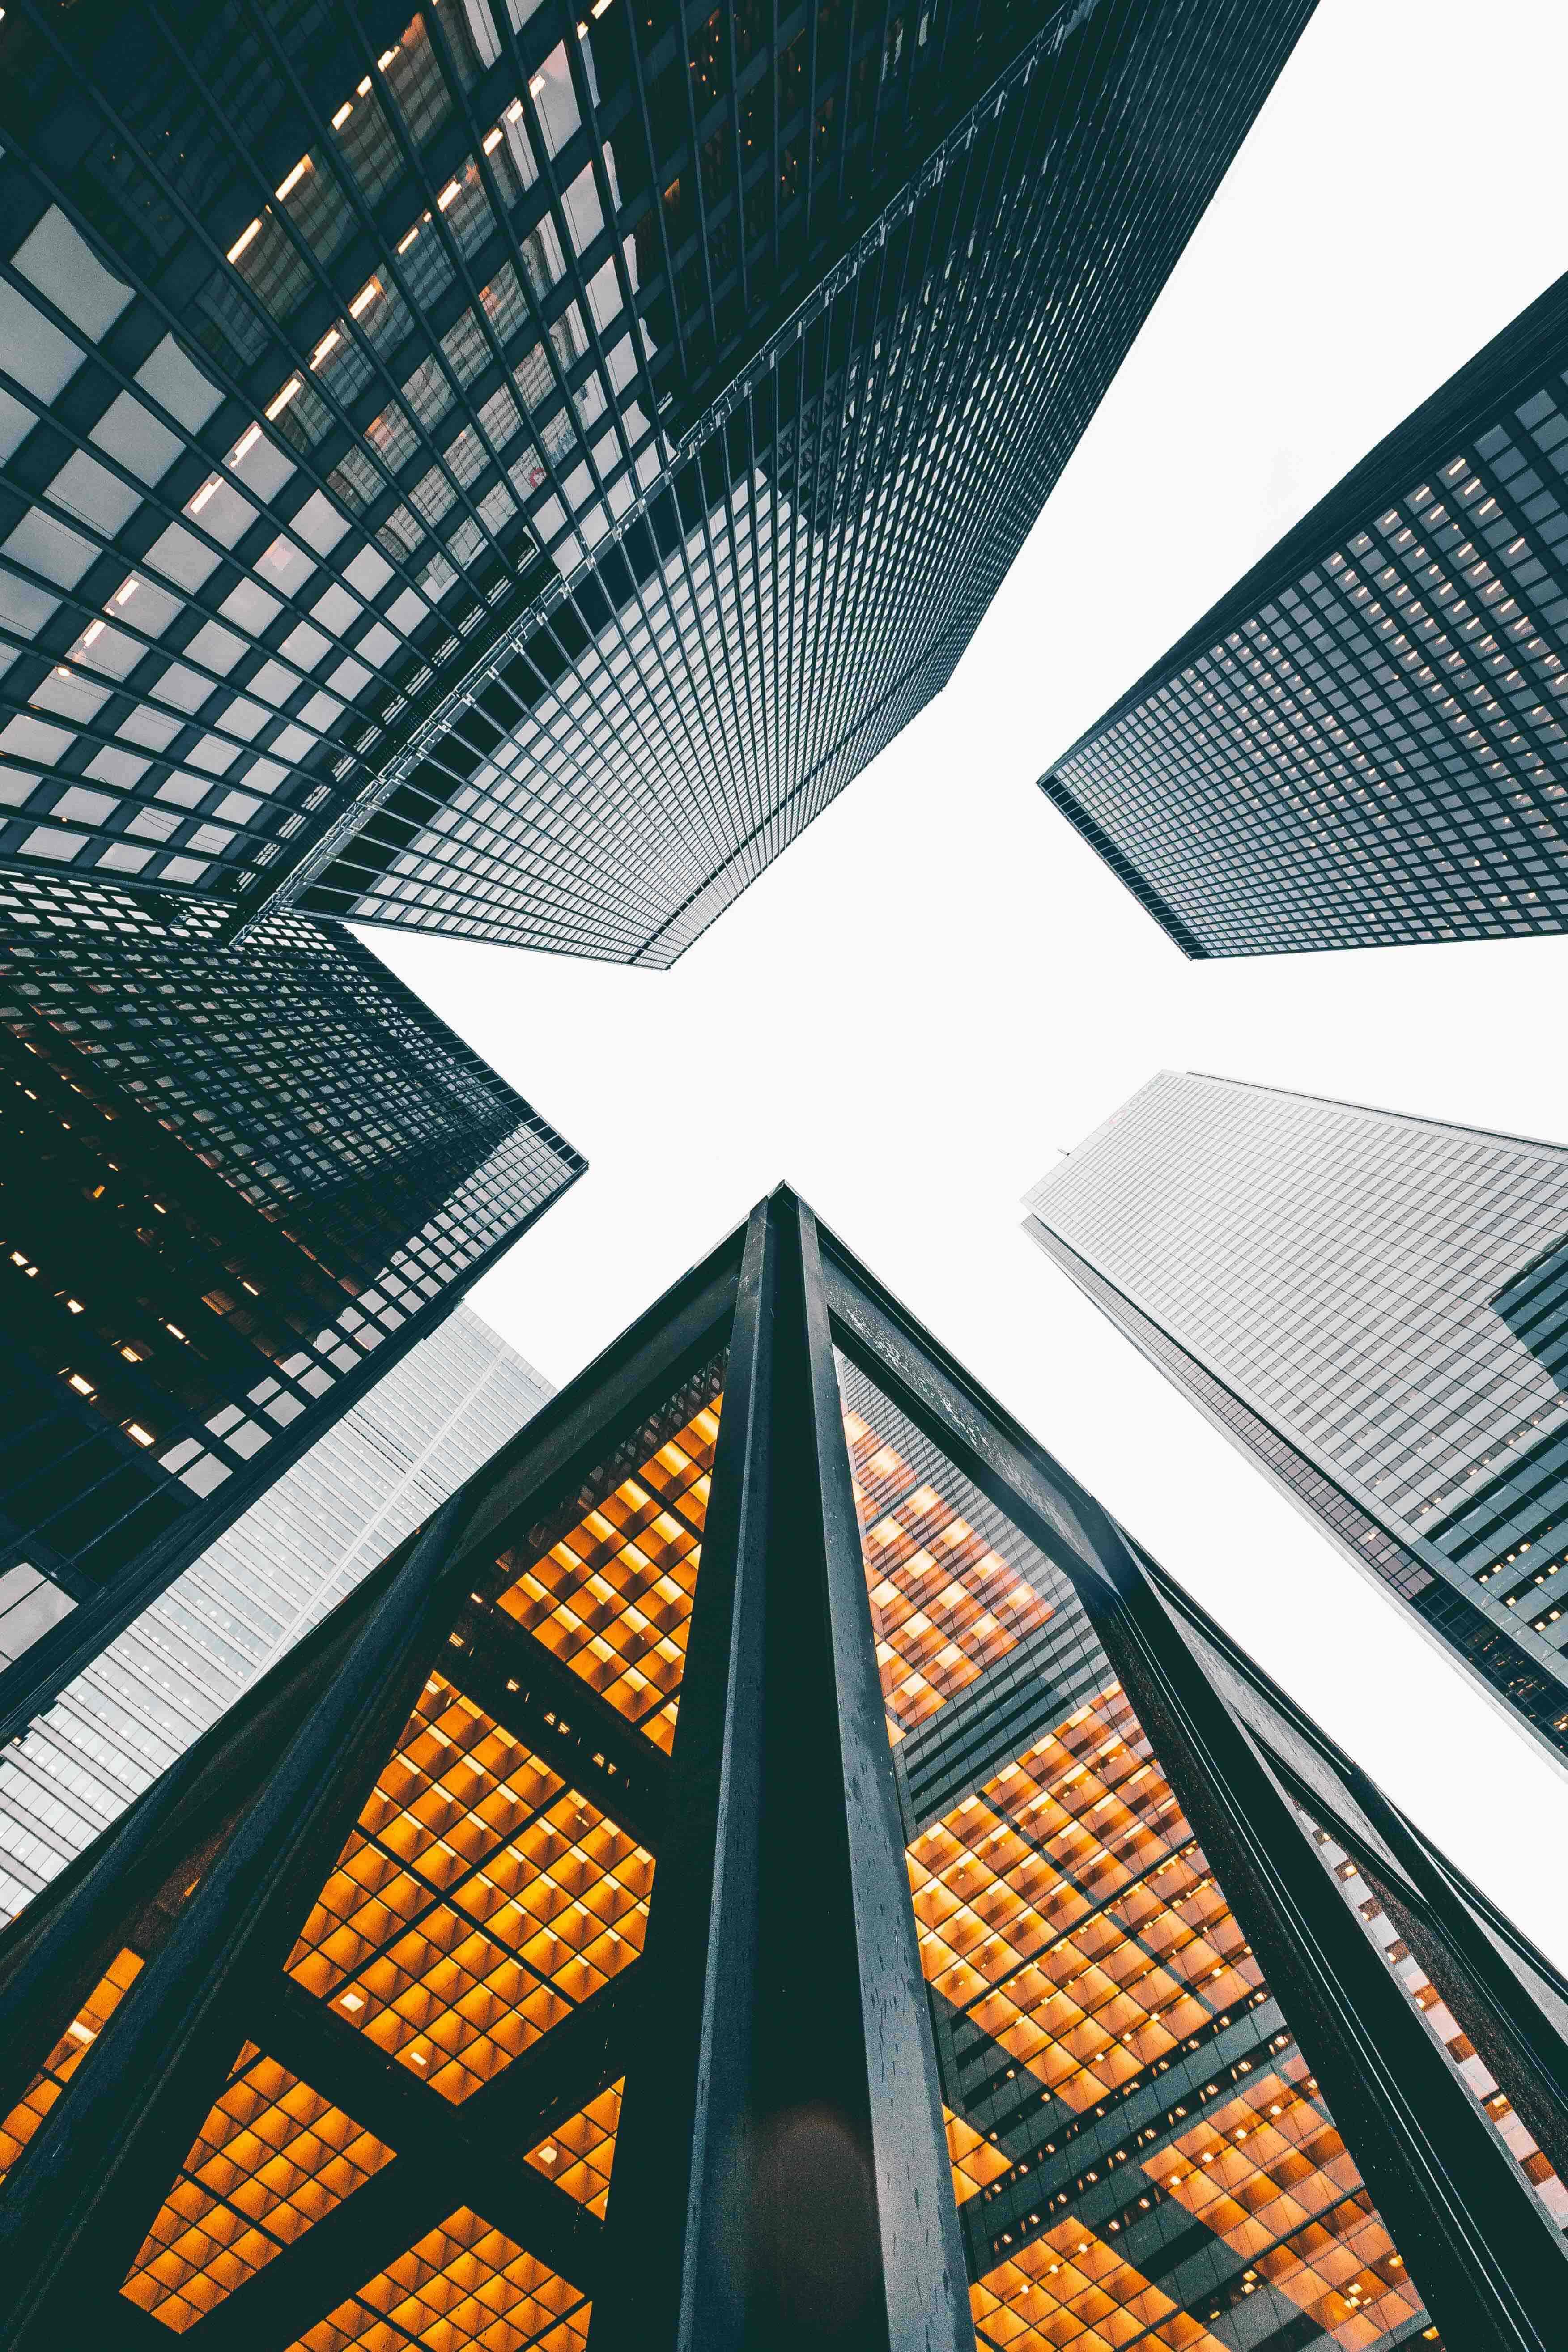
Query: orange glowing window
x=1068, y=1909
x=1070, y=2290
x=975, y=2163
x=1269, y=2173
x=463, y=2286
x=579, y=2157
x=612, y=1599
x=271, y=2159
x=478, y=1900
x=66, y=2056
x=944, y=1602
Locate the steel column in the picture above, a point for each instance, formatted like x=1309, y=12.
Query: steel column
x=780, y=2178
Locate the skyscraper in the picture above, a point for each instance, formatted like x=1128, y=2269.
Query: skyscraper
x=1362, y=744
x=234, y=1187
x=774, y=1863
x=308, y=1539
x=502, y=471
x=1375, y=1308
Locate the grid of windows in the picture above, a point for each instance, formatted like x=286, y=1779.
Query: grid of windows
x=510, y=481
x=1365, y=743
x=945, y=1603
x=479, y=1900
x=1139, y=2146
x=425, y=1426
x=272, y=2160
x=1302, y=1480
x=612, y=1598
x=1378, y=1291
x=229, y=1177
x=462, y=2285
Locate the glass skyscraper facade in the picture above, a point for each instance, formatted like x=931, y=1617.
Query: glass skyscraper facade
x=428, y=1424
x=503, y=472
x=1375, y=1309
x=1364, y=743
x=235, y=1184
x=778, y=1866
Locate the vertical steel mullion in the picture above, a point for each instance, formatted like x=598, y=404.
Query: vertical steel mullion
x=750, y=772
x=949, y=8
x=775, y=64
x=768, y=781
x=717, y=624
x=934, y=383
x=685, y=63
x=774, y=2042
x=655, y=174
x=799, y=572
x=587, y=116
x=844, y=110
x=854, y=514
x=883, y=72
x=589, y=113
x=729, y=7
x=817, y=571
x=815, y=9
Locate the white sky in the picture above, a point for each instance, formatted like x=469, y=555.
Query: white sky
x=940, y=985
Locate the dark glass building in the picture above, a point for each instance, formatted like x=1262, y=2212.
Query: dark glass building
x=1375, y=1308
x=502, y=471
x=1362, y=744
x=235, y=1185
x=772, y=1863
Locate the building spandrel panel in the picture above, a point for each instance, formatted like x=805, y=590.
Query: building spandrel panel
x=1364, y=743
x=238, y=1184
x=503, y=472
x=1368, y=1304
